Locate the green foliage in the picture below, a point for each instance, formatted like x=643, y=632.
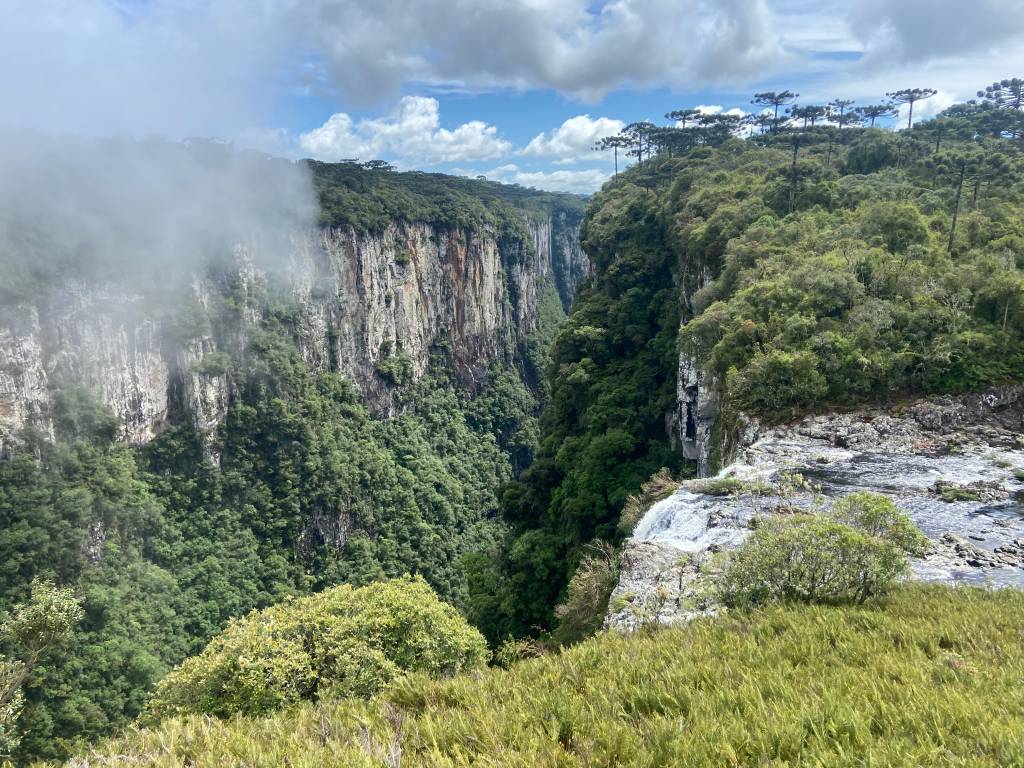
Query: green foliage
x=370, y=200
x=342, y=642
x=660, y=485
x=32, y=629
x=610, y=380
x=857, y=551
x=311, y=490
x=587, y=594
x=729, y=486
x=951, y=493
x=862, y=300
x=928, y=677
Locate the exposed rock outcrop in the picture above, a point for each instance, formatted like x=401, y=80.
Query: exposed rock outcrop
x=954, y=464
x=363, y=297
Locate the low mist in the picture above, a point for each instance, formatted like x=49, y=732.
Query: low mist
x=141, y=210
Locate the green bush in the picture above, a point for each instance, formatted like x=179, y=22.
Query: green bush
x=583, y=610
x=857, y=551
x=342, y=642
x=777, y=380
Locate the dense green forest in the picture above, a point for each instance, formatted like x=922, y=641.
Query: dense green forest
x=300, y=488
x=802, y=267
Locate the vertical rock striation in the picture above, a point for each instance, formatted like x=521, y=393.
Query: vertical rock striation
x=362, y=298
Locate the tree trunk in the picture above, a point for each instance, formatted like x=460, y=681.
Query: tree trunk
x=792, y=186
x=615, y=150
x=974, y=196
x=910, y=116
x=956, y=207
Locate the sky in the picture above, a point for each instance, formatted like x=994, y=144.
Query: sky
x=516, y=90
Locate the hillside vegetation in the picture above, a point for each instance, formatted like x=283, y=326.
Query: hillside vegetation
x=164, y=545
x=930, y=677
x=801, y=268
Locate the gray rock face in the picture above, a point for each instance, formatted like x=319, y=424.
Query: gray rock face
x=362, y=297
x=954, y=464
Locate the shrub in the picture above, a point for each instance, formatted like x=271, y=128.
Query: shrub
x=341, y=642
x=856, y=552
x=777, y=380
x=589, y=589
x=45, y=622
x=659, y=486
x=878, y=516
x=730, y=486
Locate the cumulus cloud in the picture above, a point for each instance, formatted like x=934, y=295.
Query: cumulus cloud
x=573, y=139
x=412, y=133
x=718, y=109
x=581, y=182
x=573, y=46
x=208, y=66
x=922, y=30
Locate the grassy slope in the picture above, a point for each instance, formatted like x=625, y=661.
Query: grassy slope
x=931, y=677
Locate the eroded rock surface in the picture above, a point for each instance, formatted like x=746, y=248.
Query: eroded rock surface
x=362, y=298
x=954, y=464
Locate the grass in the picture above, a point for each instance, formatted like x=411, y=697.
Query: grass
x=930, y=677
x=954, y=493
x=731, y=486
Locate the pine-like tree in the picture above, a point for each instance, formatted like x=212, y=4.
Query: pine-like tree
x=910, y=96
x=774, y=99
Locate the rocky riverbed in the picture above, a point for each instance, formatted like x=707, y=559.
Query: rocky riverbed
x=954, y=464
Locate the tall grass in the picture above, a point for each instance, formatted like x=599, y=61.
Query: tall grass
x=931, y=676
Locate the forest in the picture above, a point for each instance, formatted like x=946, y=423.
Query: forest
x=847, y=264
x=806, y=258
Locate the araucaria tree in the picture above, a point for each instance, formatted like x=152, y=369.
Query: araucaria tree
x=774, y=99
x=809, y=114
x=839, y=111
x=614, y=143
x=910, y=96
x=1006, y=94
x=683, y=116
x=873, y=112
x=956, y=166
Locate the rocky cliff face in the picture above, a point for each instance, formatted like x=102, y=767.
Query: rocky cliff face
x=362, y=297
x=955, y=465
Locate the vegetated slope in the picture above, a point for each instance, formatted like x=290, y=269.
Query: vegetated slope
x=929, y=677
x=808, y=269
x=299, y=487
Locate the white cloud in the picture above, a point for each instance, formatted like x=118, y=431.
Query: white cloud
x=106, y=66
x=581, y=182
x=925, y=109
x=574, y=139
x=926, y=30
x=411, y=134
x=573, y=46
x=718, y=109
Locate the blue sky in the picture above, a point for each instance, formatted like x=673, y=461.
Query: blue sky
x=513, y=89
